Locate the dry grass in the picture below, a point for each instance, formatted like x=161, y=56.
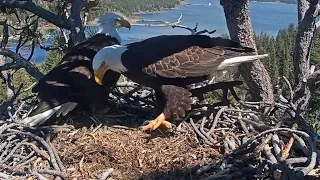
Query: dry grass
x=133, y=154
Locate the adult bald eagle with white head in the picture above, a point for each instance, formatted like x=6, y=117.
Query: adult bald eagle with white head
x=71, y=82
x=169, y=63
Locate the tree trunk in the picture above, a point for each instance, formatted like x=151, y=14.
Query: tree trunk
x=307, y=12
x=240, y=30
x=77, y=31
x=7, y=77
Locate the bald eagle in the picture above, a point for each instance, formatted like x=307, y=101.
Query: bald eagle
x=169, y=63
x=71, y=82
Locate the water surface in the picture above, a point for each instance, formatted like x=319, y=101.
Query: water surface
x=266, y=17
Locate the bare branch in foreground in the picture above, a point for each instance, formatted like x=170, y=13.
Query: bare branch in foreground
x=22, y=63
x=194, y=30
x=39, y=11
x=5, y=35
x=16, y=142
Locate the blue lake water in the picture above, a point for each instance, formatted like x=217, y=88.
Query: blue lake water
x=266, y=17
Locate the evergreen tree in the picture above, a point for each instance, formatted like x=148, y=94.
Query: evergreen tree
x=273, y=61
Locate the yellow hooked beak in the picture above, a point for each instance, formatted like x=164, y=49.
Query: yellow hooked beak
x=123, y=23
x=99, y=73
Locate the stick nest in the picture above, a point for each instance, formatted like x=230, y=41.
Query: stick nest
x=256, y=140
x=131, y=153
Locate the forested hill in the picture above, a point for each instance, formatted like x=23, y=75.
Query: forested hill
x=131, y=6
x=96, y=8
x=281, y=1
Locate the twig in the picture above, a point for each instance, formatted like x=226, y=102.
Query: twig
x=214, y=124
x=193, y=30
x=296, y=160
x=276, y=146
x=5, y=33
x=290, y=88
x=37, y=150
x=55, y=152
x=270, y=156
x=33, y=158
x=199, y=133
x=52, y=172
x=40, y=177
x=33, y=44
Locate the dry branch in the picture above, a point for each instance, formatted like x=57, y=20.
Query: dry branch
x=39, y=11
x=194, y=30
x=305, y=80
x=18, y=155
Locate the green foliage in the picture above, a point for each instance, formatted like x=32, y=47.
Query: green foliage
x=52, y=59
x=314, y=113
x=279, y=63
x=2, y=91
x=21, y=76
x=280, y=50
x=315, y=53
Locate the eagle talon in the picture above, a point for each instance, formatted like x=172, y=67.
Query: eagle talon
x=159, y=121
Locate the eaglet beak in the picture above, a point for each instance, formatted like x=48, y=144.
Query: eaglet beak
x=123, y=23
x=99, y=73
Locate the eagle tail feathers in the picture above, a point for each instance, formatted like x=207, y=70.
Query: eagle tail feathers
x=235, y=61
x=40, y=118
x=66, y=108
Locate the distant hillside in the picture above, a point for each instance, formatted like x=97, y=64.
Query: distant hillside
x=279, y=1
x=129, y=7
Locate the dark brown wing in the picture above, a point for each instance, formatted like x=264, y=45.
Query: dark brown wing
x=180, y=56
x=72, y=80
x=192, y=62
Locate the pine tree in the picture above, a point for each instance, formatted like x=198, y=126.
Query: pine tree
x=273, y=61
x=287, y=63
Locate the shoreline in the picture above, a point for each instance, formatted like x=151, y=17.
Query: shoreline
x=135, y=16
x=131, y=18
x=274, y=2
x=181, y=3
